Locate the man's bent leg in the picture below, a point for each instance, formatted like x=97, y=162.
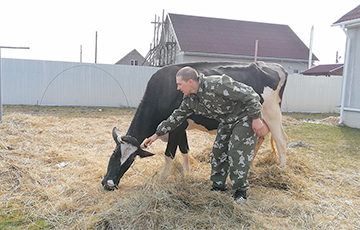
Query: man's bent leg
x=219, y=158
x=241, y=153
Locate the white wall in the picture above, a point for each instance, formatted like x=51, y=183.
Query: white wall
x=294, y=67
x=351, y=113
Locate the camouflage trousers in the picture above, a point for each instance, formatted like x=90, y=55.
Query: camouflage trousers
x=232, y=154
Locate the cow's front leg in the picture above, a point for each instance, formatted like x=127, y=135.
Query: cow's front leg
x=186, y=162
x=166, y=171
x=184, y=148
x=176, y=138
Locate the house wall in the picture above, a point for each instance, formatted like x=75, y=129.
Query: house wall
x=133, y=58
x=351, y=113
x=352, y=119
x=32, y=82
x=291, y=67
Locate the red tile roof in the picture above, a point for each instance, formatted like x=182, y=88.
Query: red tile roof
x=233, y=37
x=327, y=70
x=351, y=15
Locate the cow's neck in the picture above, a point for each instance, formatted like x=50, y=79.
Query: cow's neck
x=142, y=124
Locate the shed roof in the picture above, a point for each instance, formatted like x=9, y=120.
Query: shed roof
x=233, y=37
x=350, y=16
x=327, y=70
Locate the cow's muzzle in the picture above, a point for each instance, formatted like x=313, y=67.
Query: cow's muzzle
x=109, y=185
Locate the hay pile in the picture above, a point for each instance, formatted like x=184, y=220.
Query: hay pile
x=332, y=120
x=51, y=168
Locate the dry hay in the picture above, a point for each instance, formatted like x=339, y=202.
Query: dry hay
x=333, y=121
x=51, y=168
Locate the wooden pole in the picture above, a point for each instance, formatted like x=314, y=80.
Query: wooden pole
x=256, y=49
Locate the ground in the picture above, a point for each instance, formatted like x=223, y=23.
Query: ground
x=52, y=161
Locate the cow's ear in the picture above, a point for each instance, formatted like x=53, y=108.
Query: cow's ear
x=115, y=135
x=142, y=153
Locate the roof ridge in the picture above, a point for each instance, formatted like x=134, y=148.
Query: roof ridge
x=236, y=38
x=208, y=17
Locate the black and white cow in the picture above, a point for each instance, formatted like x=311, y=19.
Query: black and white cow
x=161, y=98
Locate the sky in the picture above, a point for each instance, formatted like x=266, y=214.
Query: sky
x=55, y=30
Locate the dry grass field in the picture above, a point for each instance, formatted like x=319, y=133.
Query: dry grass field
x=52, y=160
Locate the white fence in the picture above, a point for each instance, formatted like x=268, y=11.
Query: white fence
x=315, y=94
x=33, y=82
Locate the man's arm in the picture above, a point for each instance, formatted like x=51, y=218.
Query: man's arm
x=177, y=117
x=150, y=140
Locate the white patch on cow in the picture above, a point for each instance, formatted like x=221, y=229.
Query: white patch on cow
x=110, y=183
x=270, y=95
x=126, y=150
x=193, y=125
x=272, y=116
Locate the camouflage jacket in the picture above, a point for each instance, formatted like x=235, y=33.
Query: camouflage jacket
x=218, y=97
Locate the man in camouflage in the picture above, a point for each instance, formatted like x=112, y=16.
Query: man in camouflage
x=238, y=109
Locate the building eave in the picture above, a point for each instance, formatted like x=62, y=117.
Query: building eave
x=349, y=23
x=336, y=69
x=189, y=53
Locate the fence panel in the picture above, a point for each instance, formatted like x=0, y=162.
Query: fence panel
x=315, y=94
x=33, y=82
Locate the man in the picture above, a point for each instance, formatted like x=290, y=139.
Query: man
x=238, y=109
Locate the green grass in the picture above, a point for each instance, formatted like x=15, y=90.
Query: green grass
x=21, y=220
x=310, y=116
x=330, y=143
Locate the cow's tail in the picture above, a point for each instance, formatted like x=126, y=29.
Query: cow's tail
x=283, y=78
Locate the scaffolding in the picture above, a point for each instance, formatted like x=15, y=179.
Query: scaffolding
x=163, y=47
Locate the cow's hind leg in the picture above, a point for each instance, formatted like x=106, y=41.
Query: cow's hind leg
x=278, y=135
x=258, y=145
x=273, y=119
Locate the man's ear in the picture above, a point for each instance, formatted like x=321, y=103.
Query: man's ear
x=142, y=153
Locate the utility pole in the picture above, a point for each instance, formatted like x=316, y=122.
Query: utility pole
x=311, y=47
x=5, y=47
x=96, y=47
x=80, y=53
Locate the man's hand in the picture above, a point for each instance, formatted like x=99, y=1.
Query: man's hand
x=150, y=140
x=260, y=127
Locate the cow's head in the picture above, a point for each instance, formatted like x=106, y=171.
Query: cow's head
x=127, y=148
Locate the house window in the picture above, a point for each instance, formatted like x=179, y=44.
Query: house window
x=134, y=62
x=296, y=71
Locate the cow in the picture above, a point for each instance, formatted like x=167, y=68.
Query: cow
x=161, y=97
